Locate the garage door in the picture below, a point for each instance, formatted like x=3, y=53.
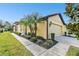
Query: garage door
x=55, y=29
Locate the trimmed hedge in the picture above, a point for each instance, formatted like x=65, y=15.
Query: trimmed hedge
x=17, y=33
x=33, y=39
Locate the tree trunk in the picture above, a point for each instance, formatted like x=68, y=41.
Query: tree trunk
x=35, y=28
x=31, y=30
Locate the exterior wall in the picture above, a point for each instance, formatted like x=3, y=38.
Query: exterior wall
x=56, y=26
x=14, y=29
x=64, y=29
x=28, y=29
x=42, y=29
x=22, y=29
x=19, y=28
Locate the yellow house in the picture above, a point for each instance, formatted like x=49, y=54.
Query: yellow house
x=51, y=24
x=19, y=28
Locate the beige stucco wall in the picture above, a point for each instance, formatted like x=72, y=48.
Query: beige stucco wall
x=42, y=29
x=56, y=27
x=19, y=28
x=14, y=29
x=28, y=29
x=23, y=28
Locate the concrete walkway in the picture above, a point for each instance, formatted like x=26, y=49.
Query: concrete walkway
x=35, y=49
x=59, y=49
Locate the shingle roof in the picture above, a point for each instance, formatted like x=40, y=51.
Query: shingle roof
x=46, y=17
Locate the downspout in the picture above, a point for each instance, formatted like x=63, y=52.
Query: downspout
x=47, y=28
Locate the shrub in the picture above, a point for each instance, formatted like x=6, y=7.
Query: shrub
x=34, y=39
x=1, y=31
x=29, y=33
x=39, y=42
x=18, y=33
x=33, y=35
x=50, y=42
x=45, y=45
x=77, y=54
x=27, y=36
x=39, y=37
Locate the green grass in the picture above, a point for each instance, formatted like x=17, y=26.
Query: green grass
x=73, y=51
x=9, y=46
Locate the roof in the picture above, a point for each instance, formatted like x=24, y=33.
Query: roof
x=46, y=17
x=16, y=23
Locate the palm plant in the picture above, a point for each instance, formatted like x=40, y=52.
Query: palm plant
x=23, y=22
x=35, y=18
x=27, y=21
x=31, y=21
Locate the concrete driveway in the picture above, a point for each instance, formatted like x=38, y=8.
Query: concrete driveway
x=68, y=40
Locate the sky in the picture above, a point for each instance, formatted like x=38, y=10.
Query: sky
x=15, y=11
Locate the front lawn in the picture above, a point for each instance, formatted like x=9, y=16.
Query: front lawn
x=9, y=46
x=73, y=51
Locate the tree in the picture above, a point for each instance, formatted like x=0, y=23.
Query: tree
x=23, y=22
x=1, y=26
x=1, y=23
x=27, y=21
x=7, y=26
x=35, y=17
x=31, y=21
x=72, y=11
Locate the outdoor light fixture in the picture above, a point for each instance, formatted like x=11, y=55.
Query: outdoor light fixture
x=50, y=23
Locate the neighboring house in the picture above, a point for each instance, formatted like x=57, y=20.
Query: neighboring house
x=51, y=24
x=19, y=28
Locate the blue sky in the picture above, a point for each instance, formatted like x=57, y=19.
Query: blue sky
x=14, y=12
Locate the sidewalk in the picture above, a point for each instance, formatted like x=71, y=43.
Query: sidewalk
x=59, y=49
x=35, y=49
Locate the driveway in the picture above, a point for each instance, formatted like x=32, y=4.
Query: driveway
x=68, y=40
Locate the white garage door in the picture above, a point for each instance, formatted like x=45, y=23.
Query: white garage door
x=55, y=29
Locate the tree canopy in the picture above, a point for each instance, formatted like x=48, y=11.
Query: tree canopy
x=72, y=11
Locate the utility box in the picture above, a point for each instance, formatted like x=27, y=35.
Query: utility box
x=65, y=33
x=53, y=36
